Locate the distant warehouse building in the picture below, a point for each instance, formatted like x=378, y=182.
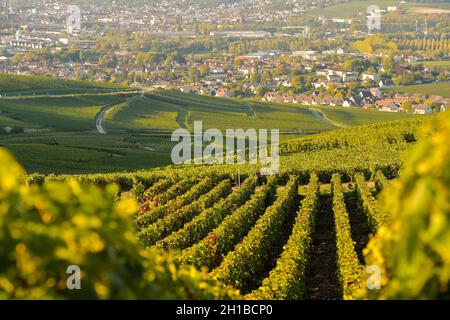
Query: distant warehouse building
x=241, y=34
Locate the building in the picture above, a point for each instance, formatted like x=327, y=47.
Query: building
x=423, y=109
x=386, y=83
x=223, y=92
x=390, y=108
x=241, y=34
x=369, y=76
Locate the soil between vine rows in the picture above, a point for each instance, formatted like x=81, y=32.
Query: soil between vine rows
x=358, y=223
x=321, y=277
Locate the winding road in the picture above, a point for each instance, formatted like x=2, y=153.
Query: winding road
x=319, y=116
x=102, y=115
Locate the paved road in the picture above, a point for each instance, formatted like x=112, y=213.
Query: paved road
x=102, y=115
x=319, y=116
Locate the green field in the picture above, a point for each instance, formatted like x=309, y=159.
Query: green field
x=11, y=85
x=354, y=117
x=69, y=113
x=87, y=152
x=60, y=133
x=354, y=8
x=435, y=64
x=439, y=88
x=145, y=113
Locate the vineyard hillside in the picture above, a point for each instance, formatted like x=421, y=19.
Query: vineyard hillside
x=215, y=232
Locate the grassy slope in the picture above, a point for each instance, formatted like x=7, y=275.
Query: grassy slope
x=145, y=113
x=224, y=113
x=73, y=146
x=435, y=64
x=71, y=113
x=85, y=152
x=13, y=84
x=352, y=9
x=354, y=117
x=441, y=89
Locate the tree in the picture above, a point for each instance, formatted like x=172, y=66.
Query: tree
x=407, y=106
x=255, y=77
x=194, y=75
x=352, y=89
x=331, y=88
x=398, y=80
x=347, y=66
x=203, y=70
x=387, y=65
x=298, y=83
x=261, y=91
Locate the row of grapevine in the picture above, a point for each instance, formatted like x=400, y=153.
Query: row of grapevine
x=152, y=215
x=381, y=182
x=159, y=187
x=209, y=252
x=209, y=219
x=175, y=190
x=349, y=268
x=287, y=279
x=125, y=181
x=388, y=133
x=375, y=217
x=45, y=228
x=177, y=218
x=243, y=267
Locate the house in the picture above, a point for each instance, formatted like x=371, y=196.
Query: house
x=348, y=103
x=384, y=103
x=223, y=92
x=273, y=96
x=423, y=109
x=288, y=98
x=401, y=98
x=333, y=78
x=336, y=102
x=376, y=92
x=435, y=99
x=357, y=101
x=375, y=77
x=416, y=97
x=319, y=84
x=187, y=89
x=390, y=108
x=350, y=76
x=385, y=83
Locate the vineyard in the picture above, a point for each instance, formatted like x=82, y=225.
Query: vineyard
x=258, y=236
x=213, y=232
